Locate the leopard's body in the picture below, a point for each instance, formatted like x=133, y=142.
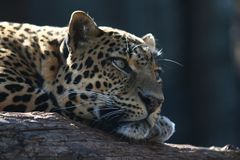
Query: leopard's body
x=96, y=74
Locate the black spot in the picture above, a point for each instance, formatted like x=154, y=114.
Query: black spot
x=103, y=63
x=90, y=110
x=80, y=67
x=3, y=75
x=10, y=79
x=95, y=69
x=86, y=73
x=73, y=59
x=42, y=98
x=8, y=71
x=74, y=66
x=60, y=89
x=90, y=50
x=54, y=101
x=92, y=74
x=100, y=55
x=24, y=73
x=54, y=42
x=5, y=39
x=96, y=46
x=50, y=33
x=18, y=27
x=3, y=96
x=14, y=87
x=110, y=33
x=117, y=49
x=33, y=65
x=66, y=69
x=103, y=38
x=15, y=108
x=7, y=63
x=105, y=84
x=100, y=34
x=39, y=80
x=72, y=96
x=43, y=56
x=41, y=107
x=117, y=36
x=77, y=79
x=2, y=80
x=28, y=81
x=24, y=98
x=52, y=68
x=28, y=54
x=30, y=89
x=68, y=77
x=27, y=30
x=89, y=87
x=88, y=62
x=98, y=84
x=112, y=44
x=83, y=96
x=19, y=79
x=70, y=106
x=110, y=49
x=106, y=42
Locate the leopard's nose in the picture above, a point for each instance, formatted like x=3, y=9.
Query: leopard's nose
x=151, y=102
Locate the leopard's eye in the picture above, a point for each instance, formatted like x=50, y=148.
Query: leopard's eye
x=158, y=74
x=122, y=65
x=119, y=63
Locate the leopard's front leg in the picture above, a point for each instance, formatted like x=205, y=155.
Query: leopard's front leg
x=163, y=130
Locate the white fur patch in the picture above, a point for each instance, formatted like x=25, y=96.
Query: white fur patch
x=160, y=132
x=166, y=128
x=134, y=130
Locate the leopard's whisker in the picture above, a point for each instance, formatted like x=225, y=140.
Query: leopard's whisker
x=171, y=61
x=117, y=113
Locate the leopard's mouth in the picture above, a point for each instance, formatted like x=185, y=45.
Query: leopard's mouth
x=151, y=129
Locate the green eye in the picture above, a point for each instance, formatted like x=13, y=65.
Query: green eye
x=119, y=63
x=122, y=65
x=158, y=74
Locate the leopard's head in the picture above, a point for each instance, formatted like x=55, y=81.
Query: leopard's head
x=118, y=75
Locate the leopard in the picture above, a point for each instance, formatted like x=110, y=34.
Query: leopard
x=101, y=76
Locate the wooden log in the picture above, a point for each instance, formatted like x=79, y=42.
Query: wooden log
x=40, y=136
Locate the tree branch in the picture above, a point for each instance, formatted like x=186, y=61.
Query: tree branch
x=39, y=135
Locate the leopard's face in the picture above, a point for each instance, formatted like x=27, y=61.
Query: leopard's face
x=119, y=75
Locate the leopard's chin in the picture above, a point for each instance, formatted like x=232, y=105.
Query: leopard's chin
x=142, y=130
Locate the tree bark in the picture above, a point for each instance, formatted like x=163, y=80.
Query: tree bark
x=39, y=136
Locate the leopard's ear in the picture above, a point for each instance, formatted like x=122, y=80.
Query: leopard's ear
x=149, y=40
x=81, y=29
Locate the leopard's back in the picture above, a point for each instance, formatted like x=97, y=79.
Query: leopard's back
x=29, y=60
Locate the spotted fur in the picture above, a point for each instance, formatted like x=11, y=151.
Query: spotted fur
x=105, y=77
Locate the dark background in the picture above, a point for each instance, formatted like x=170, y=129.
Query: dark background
x=202, y=97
